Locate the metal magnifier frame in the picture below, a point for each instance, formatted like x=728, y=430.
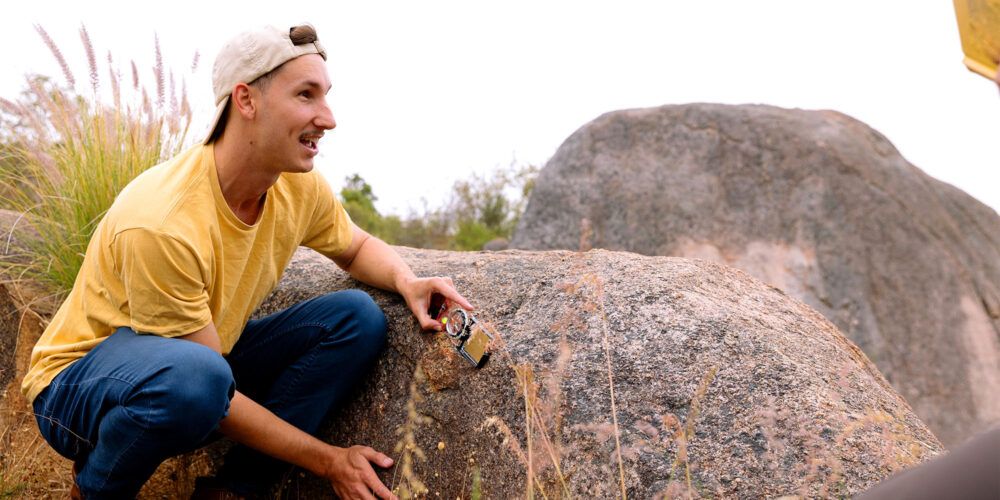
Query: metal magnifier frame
x=458, y=323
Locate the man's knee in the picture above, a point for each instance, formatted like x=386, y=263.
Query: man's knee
x=190, y=392
x=366, y=319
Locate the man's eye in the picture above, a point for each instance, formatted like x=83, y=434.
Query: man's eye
x=304, y=93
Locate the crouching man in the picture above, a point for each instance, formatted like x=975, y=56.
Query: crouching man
x=153, y=354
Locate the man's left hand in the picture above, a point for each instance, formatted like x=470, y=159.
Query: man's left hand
x=418, y=291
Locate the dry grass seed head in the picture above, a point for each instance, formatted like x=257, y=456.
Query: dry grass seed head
x=586, y=235
x=411, y=486
x=114, y=77
x=88, y=47
x=57, y=54
x=158, y=73
x=509, y=440
x=97, y=147
x=647, y=428
x=135, y=76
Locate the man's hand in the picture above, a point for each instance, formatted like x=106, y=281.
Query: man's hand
x=370, y=260
x=352, y=476
x=347, y=469
x=418, y=291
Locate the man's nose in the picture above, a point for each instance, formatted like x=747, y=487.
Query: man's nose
x=325, y=118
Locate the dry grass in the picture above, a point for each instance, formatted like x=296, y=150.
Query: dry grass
x=682, y=435
x=68, y=155
x=590, y=288
x=539, y=427
x=65, y=155
x=29, y=468
x=541, y=454
x=15, y=463
x=410, y=485
x=816, y=458
x=543, y=418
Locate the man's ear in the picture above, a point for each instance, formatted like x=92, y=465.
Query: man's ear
x=244, y=100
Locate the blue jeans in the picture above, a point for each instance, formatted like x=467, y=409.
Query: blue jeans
x=135, y=400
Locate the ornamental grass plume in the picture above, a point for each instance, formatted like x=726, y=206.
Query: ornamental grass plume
x=67, y=155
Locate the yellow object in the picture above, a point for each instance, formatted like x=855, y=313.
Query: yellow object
x=440, y=446
x=979, y=28
x=477, y=344
x=155, y=262
x=444, y=320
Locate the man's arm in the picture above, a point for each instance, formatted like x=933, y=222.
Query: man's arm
x=249, y=423
x=372, y=261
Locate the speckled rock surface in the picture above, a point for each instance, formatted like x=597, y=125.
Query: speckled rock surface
x=716, y=377
x=815, y=203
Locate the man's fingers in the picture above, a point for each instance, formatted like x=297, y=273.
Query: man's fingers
x=419, y=296
x=377, y=458
x=382, y=492
x=363, y=492
x=445, y=286
x=370, y=478
x=427, y=322
x=376, y=486
x=453, y=295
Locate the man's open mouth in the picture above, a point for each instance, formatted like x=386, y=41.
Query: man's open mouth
x=309, y=142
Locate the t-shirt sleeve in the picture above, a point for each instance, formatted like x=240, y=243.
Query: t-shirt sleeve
x=164, y=283
x=330, y=230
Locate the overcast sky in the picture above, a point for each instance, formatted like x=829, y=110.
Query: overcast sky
x=426, y=92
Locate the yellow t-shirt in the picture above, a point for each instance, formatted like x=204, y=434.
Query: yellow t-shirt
x=170, y=256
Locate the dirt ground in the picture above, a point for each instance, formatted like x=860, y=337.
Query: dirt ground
x=29, y=467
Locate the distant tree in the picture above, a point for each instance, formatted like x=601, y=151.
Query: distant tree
x=359, y=201
x=480, y=209
x=488, y=207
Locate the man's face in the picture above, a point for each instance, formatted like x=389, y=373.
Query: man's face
x=293, y=114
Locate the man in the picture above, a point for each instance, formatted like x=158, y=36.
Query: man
x=152, y=354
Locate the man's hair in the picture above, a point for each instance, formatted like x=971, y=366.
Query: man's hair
x=299, y=35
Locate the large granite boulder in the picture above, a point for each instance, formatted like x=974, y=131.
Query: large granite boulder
x=815, y=203
x=614, y=370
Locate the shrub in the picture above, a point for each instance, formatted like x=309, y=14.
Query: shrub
x=489, y=207
x=67, y=156
x=481, y=208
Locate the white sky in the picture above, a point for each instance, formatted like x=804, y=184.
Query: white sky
x=426, y=92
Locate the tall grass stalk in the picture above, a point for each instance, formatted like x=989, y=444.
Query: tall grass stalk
x=70, y=155
x=477, y=485
x=410, y=486
x=535, y=422
x=597, y=305
x=686, y=433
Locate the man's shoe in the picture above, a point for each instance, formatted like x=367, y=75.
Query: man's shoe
x=74, y=491
x=206, y=488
